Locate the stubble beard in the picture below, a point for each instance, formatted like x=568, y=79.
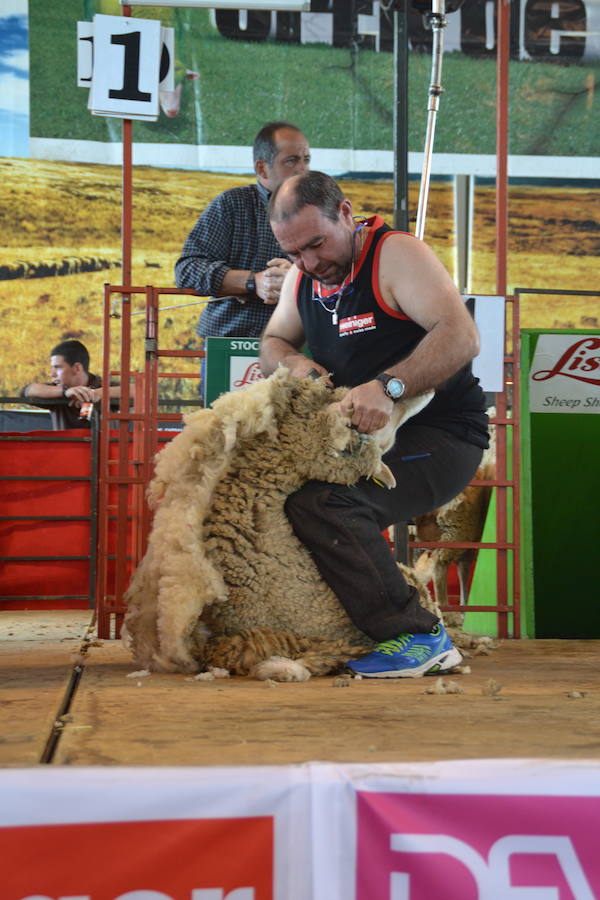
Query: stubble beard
x=342, y=269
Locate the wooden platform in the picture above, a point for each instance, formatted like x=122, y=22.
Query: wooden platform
x=66, y=699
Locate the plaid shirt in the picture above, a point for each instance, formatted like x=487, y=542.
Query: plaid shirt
x=233, y=232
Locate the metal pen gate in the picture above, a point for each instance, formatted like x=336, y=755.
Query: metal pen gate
x=506, y=485
x=40, y=506
x=130, y=439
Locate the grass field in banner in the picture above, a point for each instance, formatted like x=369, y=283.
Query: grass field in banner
x=51, y=211
x=340, y=98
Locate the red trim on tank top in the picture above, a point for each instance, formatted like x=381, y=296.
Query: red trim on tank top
x=375, y=280
x=299, y=278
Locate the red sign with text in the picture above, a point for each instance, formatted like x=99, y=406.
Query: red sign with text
x=188, y=859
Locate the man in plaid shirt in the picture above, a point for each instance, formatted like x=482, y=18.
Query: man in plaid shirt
x=231, y=254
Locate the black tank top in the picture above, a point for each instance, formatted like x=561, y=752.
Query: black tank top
x=360, y=336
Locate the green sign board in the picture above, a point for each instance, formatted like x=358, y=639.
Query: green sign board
x=231, y=364
x=560, y=482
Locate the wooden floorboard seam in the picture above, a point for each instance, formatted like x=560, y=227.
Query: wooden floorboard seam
x=64, y=707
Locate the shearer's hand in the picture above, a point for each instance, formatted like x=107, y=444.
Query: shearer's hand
x=368, y=407
x=302, y=367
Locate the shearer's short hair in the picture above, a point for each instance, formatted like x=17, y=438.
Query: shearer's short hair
x=72, y=352
x=265, y=146
x=311, y=189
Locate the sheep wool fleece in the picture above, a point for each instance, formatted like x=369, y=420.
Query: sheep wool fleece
x=225, y=582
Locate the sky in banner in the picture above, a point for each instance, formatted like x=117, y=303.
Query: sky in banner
x=14, y=79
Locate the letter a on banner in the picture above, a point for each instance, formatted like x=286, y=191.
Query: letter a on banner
x=125, y=79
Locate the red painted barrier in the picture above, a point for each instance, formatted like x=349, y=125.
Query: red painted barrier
x=46, y=482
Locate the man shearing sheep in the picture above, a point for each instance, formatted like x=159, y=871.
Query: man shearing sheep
x=380, y=315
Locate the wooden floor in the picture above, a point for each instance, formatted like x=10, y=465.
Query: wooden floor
x=67, y=699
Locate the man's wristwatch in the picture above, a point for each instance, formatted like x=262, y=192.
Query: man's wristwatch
x=251, y=283
x=394, y=388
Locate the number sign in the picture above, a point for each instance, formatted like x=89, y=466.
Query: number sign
x=85, y=56
x=85, y=53
x=127, y=57
x=488, y=312
x=167, y=60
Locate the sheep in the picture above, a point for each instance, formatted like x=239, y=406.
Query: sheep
x=461, y=519
x=225, y=582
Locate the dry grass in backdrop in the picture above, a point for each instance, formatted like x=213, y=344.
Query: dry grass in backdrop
x=62, y=214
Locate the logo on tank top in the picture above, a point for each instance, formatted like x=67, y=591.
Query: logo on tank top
x=357, y=324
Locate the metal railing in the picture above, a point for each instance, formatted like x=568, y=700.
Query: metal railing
x=136, y=432
x=506, y=485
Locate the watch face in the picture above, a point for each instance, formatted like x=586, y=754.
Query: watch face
x=395, y=388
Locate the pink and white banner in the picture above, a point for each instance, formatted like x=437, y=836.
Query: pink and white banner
x=467, y=830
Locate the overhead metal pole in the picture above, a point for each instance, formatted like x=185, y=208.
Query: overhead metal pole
x=438, y=23
x=400, y=23
x=502, y=402
x=127, y=194
x=502, y=90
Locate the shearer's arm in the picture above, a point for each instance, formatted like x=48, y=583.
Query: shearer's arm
x=283, y=337
x=414, y=282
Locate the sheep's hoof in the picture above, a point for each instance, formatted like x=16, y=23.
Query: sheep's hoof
x=280, y=668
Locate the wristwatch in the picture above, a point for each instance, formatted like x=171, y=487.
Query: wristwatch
x=251, y=283
x=394, y=388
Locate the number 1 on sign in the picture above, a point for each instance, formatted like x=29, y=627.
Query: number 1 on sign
x=131, y=69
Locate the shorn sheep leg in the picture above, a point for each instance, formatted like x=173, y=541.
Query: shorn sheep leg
x=320, y=661
x=279, y=655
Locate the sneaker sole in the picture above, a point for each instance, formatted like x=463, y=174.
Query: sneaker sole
x=436, y=666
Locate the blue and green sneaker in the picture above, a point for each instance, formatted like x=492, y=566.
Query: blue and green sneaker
x=409, y=656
